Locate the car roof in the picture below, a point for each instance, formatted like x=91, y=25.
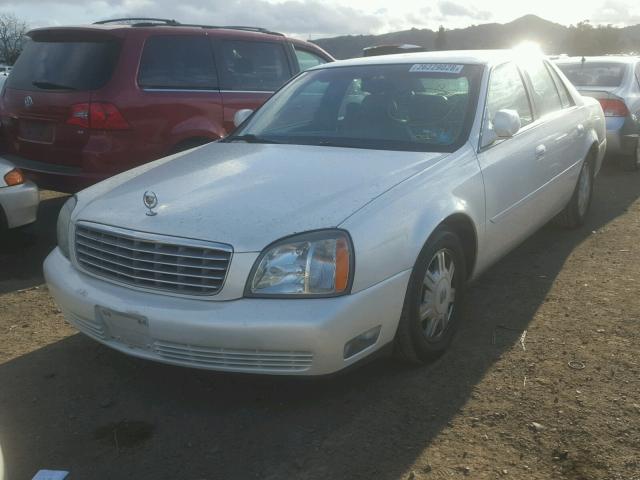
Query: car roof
x=599, y=59
x=467, y=57
x=120, y=28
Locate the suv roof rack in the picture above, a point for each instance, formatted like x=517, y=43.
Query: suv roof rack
x=150, y=22
x=139, y=21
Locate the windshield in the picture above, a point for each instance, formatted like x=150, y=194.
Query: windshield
x=415, y=107
x=589, y=74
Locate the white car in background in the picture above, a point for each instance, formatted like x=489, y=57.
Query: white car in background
x=19, y=198
x=614, y=80
x=344, y=216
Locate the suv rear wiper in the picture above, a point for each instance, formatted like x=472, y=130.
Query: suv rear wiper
x=51, y=86
x=249, y=138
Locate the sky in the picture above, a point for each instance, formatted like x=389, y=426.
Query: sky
x=324, y=18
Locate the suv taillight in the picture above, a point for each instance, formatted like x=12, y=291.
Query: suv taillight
x=97, y=116
x=613, y=107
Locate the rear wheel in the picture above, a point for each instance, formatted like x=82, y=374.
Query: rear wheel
x=432, y=303
x=631, y=162
x=575, y=213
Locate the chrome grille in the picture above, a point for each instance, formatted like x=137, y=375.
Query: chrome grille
x=170, y=264
x=234, y=359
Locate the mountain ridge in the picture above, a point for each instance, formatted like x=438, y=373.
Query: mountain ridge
x=553, y=38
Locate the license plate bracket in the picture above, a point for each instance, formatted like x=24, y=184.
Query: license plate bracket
x=127, y=328
x=37, y=131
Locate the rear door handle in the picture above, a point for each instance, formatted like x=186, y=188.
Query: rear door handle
x=540, y=151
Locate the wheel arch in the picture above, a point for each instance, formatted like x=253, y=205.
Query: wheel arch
x=462, y=225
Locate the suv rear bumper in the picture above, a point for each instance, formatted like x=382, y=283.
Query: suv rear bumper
x=60, y=178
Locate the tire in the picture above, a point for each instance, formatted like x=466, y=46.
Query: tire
x=420, y=337
x=631, y=163
x=576, y=211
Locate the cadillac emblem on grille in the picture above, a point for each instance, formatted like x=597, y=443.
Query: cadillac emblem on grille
x=150, y=201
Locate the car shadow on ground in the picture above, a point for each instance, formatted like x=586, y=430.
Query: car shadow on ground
x=79, y=406
x=23, y=250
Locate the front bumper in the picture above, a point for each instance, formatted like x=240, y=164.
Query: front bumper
x=19, y=204
x=268, y=336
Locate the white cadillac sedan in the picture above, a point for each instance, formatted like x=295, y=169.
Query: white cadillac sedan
x=346, y=215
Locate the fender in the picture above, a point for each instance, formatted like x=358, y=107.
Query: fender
x=402, y=211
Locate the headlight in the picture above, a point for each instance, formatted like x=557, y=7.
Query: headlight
x=312, y=264
x=64, y=220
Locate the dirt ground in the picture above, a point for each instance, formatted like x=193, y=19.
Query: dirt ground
x=542, y=381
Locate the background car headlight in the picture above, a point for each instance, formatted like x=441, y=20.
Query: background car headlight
x=64, y=220
x=316, y=264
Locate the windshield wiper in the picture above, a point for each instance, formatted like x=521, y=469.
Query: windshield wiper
x=51, y=86
x=249, y=138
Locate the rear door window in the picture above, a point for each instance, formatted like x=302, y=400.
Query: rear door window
x=565, y=97
x=178, y=62
x=545, y=94
x=253, y=66
x=306, y=59
x=59, y=64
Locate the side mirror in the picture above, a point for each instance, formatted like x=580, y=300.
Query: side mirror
x=506, y=123
x=240, y=116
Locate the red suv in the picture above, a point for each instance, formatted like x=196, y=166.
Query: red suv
x=85, y=103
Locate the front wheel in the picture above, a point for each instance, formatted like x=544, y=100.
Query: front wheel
x=575, y=213
x=432, y=303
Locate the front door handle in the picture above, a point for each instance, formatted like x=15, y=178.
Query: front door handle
x=580, y=130
x=540, y=151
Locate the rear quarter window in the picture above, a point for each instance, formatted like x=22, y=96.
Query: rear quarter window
x=55, y=64
x=253, y=66
x=177, y=62
x=306, y=59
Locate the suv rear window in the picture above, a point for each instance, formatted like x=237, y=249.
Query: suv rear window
x=594, y=74
x=260, y=66
x=64, y=65
x=178, y=62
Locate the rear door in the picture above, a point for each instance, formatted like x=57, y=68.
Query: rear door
x=250, y=71
x=57, y=69
x=179, y=100
x=559, y=152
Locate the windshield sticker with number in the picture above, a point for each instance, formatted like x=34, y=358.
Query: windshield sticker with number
x=437, y=67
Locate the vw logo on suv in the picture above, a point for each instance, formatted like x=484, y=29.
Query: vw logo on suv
x=28, y=101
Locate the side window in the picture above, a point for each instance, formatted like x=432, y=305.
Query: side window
x=506, y=91
x=565, y=98
x=307, y=59
x=545, y=93
x=177, y=62
x=247, y=65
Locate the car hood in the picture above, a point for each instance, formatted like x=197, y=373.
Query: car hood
x=249, y=195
